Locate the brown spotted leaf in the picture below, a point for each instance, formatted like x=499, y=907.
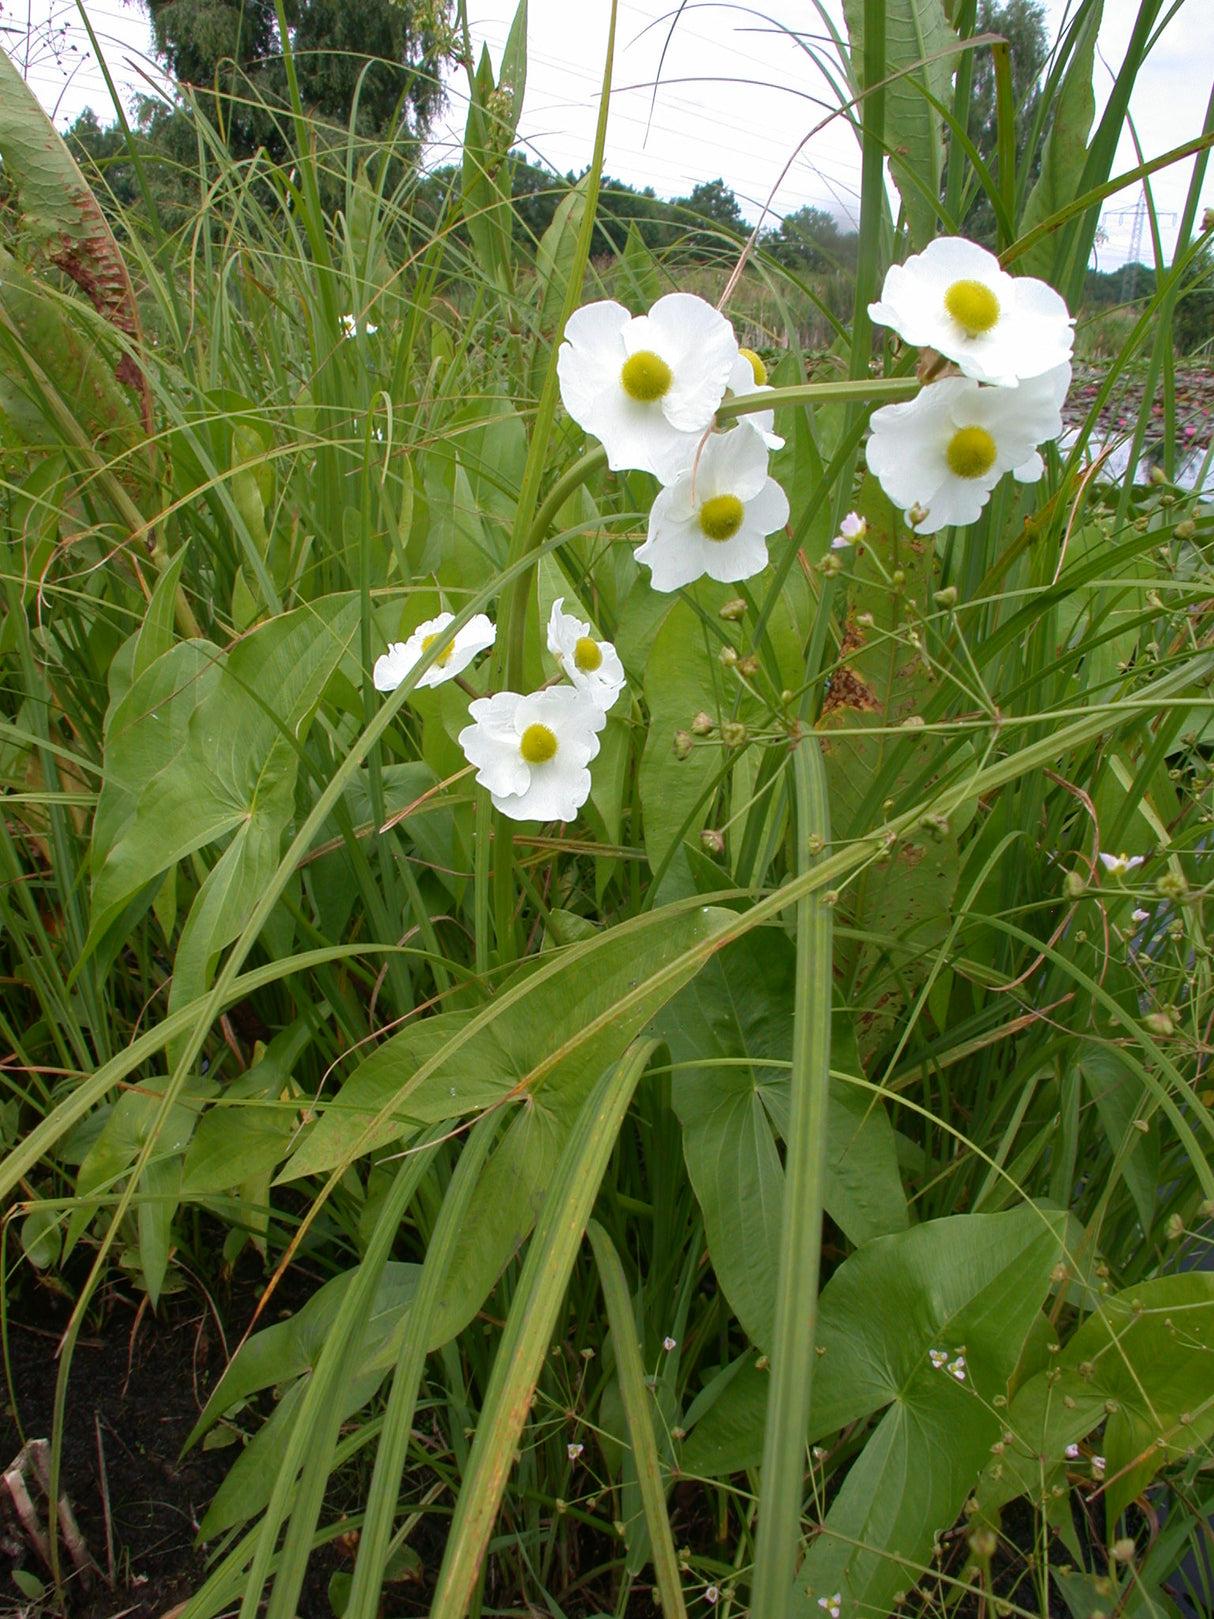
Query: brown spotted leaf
x=61, y=215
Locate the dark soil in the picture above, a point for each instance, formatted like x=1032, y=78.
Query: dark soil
x=140, y=1384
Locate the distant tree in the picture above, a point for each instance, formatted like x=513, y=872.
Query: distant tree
x=1193, y=321
x=1023, y=24
x=810, y=239
x=396, y=48
x=714, y=201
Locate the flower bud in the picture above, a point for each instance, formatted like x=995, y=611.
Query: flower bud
x=831, y=565
x=1174, y=1228
x=1074, y=884
x=1185, y=530
x=983, y=1541
x=946, y=597
x=728, y=656
x=1123, y=1550
x=712, y=841
x=1172, y=885
x=682, y=744
x=917, y=514
x=1160, y=1023
x=702, y=724
x=749, y=665
x=733, y=733
x=1158, y=476
x=733, y=610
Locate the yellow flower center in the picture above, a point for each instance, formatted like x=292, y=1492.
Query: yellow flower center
x=973, y=306
x=971, y=452
x=444, y=656
x=721, y=517
x=756, y=365
x=586, y=654
x=537, y=745
x=645, y=376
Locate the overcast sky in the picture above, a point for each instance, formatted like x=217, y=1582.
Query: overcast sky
x=737, y=92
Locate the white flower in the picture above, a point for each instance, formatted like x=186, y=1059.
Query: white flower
x=647, y=387
x=853, y=528
x=1118, y=864
x=955, y=298
x=1140, y=915
x=349, y=326
x=937, y=1357
x=711, y=1593
x=957, y=1368
x=532, y=752
x=574, y=1451
x=1098, y=1466
x=832, y=1604
x=669, y=1344
x=715, y=517
x=458, y=652
x=749, y=376
x=593, y=666
x=1071, y=1453
x=946, y=449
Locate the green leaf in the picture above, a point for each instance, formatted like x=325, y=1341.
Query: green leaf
x=534, y=1040
x=734, y=1021
x=970, y=1283
x=1065, y=152
x=41, y=1239
x=901, y=904
x=288, y=1349
x=914, y=131
x=201, y=746
x=1120, y=1098
x=247, y=1133
x=1144, y=1366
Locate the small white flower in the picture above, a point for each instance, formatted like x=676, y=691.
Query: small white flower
x=957, y=1368
x=833, y=1604
x=532, y=752
x=593, y=666
x=945, y=450
x=1071, y=1453
x=458, y=652
x=1098, y=1466
x=669, y=1344
x=1118, y=864
x=714, y=519
x=711, y=1593
x=852, y=528
x=647, y=387
x=937, y=1357
x=1140, y=915
x=749, y=376
x=574, y=1451
x=955, y=298
x=349, y=326
x=820, y=1453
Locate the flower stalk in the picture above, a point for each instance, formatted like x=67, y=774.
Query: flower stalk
x=801, y=1225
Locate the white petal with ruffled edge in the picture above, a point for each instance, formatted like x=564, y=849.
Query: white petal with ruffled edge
x=476, y=636
x=908, y=450
x=570, y=641
x=659, y=435
x=1033, y=332
x=553, y=790
x=678, y=551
